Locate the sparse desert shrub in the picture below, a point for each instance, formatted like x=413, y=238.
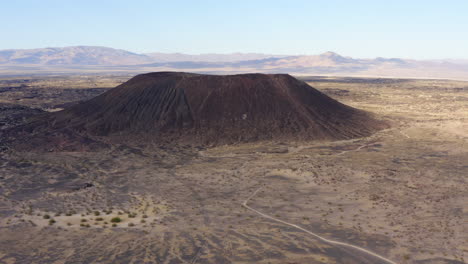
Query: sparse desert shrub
x=51, y=221
x=96, y=213
x=132, y=215
x=99, y=219
x=114, y=225
x=46, y=216
x=83, y=220
x=116, y=220
x=131, y=224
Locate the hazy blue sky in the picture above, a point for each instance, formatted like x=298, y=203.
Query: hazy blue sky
x=367, y=28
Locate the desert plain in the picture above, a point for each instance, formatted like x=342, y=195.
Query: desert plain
x=397, y=196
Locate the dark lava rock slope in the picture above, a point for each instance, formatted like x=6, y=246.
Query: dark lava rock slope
x=213, y=109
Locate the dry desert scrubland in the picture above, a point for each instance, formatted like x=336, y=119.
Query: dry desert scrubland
x=398, y=196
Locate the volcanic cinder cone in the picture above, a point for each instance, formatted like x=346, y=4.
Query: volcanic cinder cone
x=215, y=109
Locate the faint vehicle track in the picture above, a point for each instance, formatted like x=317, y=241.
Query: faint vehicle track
x=356, y=149
x=404, y=134
x=311, y=233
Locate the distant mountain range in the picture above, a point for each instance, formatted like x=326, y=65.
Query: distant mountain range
x=91, y=55
x=103, y=59
x=79, y=55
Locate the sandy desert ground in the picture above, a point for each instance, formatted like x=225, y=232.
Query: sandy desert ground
x=400, y=193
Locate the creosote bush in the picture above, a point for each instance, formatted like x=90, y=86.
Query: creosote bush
x=116, y=220
x=132, y=215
